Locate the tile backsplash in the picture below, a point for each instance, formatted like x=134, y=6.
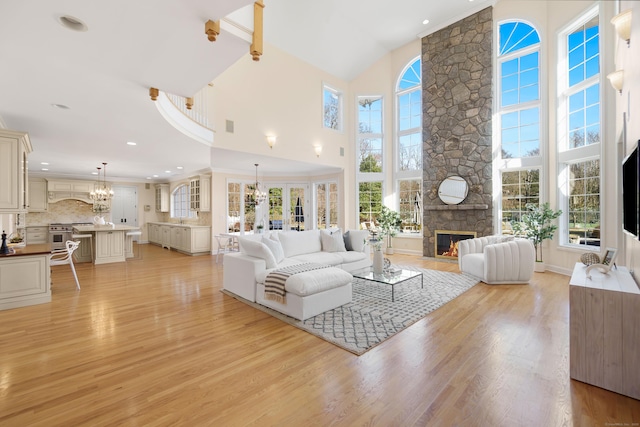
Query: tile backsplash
x=64, y=211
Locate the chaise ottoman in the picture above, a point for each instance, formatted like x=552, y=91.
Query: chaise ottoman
x=311, y=292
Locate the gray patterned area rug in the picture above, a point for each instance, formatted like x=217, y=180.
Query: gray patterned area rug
x=371, y=317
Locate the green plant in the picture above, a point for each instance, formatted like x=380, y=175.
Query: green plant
x=389, y=222
x=536, y=225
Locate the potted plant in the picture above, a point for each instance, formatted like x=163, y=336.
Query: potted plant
x=388, y=224
x=536, y=225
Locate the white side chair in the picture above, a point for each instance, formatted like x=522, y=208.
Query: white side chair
x=65, y=256
x=497, y=259
x=225, y=245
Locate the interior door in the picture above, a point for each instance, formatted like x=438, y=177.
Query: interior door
x=288, y=207
x=124, y=205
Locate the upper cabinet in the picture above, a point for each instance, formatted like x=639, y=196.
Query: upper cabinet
x=38, y=195
x=200, y=193
x=14, y=183
x=162, y=197
x=63, y=189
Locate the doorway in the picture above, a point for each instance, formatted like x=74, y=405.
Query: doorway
x=288, y=207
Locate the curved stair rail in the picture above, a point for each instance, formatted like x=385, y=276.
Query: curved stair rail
x=192, y=122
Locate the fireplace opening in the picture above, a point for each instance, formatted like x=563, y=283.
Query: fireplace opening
x=447, y=242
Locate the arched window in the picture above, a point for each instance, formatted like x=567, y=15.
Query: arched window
x=520, y=140
x=408, y=170
x=180, y=203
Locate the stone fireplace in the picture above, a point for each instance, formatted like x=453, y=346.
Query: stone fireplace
x=457, y=137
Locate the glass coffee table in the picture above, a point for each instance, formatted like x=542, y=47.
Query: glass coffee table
x=389, y=279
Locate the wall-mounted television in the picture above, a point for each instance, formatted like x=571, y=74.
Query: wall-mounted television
x=630, y=189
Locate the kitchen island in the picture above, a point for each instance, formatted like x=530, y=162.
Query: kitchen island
x=109, y=242
x=24, y=276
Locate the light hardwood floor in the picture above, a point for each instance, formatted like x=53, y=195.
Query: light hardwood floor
x=153, y=341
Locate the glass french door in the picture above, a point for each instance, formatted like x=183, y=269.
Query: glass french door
x=288, y=207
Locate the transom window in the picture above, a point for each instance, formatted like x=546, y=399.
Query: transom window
x=331, y=108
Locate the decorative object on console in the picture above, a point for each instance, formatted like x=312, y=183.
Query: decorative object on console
x=589, y=258
x=608, y=260
x=4, y=249
x=102, y=192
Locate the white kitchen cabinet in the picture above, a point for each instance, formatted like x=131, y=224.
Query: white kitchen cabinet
x=109, y=246
x=189, y=239
x=24, y=280
x=200, y=193
x=154, y=234
x=62, y=189
x=14, y=182
x=38, y=195
x=162, y=197
x=37, y=235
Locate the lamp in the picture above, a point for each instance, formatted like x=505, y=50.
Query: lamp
x=258, y=196
x=271, y=140
x=317, y=149
x=102, y=192
x=617, y=79
x=622, y=22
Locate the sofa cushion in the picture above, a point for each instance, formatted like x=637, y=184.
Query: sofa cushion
x=300, y=242
x=332, y=241
x=312, y=282
x=326, y=258
x=355, y=240
x=352, y=256
x=276, y=248
x=257, y=249
x=474, y=264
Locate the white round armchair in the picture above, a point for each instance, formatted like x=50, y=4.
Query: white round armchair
x=497, y=259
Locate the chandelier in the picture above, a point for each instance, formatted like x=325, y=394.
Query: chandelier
x=102, y=192
x=257, y=196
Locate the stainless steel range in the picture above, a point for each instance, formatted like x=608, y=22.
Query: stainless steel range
x=59, y=234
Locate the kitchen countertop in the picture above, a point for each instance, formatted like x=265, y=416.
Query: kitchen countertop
x=102, y=228
x=40, y=249
x=175, y=224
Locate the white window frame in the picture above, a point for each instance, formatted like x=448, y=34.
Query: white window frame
x=501, y=165
x=369, y=176
x=327, y=207
x=186, y=201
x=566, y=155
x=340, y=119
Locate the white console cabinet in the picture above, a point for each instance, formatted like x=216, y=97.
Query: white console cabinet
x=604, y=330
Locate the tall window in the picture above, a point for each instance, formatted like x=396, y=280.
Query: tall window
x=408, y=170
x=520, y=158
x=579, y=147
x=331, y=108
x=180, y=203
x=370, y=159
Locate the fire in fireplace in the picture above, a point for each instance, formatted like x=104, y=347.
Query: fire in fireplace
x=447, y=242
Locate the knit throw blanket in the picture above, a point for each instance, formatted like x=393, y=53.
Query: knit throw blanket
x=275, y=281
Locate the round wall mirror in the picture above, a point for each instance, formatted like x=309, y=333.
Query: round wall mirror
x=453, y=190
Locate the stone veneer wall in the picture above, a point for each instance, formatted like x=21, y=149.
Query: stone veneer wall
x=456, y=121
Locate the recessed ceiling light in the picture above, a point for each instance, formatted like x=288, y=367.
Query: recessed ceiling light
x=155, y=176
x=45, y=169
x=44, y=163
x=425, y=22
x=179, y=167
x=148, y=177
x=60, y=106
x=72, y=23
x=167, y=171
x=94, y=173
x=131, y=143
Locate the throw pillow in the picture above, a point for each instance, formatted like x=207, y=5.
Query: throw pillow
x=347, y=241
x=258, y=250
x=276, y=248
x=332, y=241
x=358, y=239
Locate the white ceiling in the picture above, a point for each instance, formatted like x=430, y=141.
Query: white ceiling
x=103, y=74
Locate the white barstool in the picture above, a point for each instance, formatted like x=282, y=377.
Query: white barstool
x=83, y=238
x=129, y=235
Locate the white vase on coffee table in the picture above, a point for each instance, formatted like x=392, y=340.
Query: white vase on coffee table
x=378, y=262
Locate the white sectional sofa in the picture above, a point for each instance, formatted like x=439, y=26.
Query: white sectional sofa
x=307, y=294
